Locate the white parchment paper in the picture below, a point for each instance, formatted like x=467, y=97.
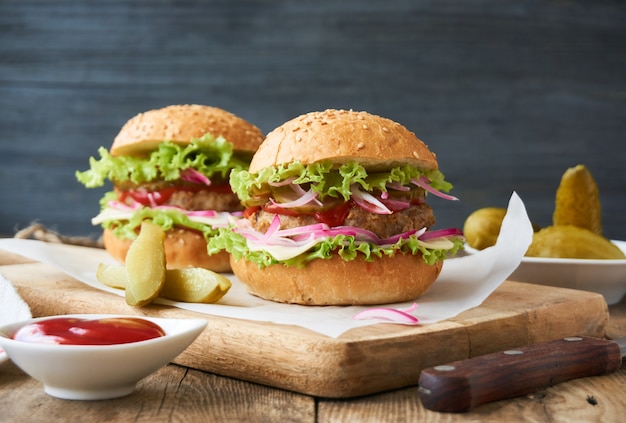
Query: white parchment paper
x=464, y=282
x=12, y=307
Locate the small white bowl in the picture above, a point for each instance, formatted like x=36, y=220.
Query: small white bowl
x=92, y=372
x=606, y=277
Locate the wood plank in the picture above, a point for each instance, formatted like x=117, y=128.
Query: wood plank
x=197, y=396
x=189, y=395
x=361, y=361
x=593, y=399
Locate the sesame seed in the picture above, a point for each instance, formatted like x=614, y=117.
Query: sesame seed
x=385, y=129
x=360, y=146
x=364, y=126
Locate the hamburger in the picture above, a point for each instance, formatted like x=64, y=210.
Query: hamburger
x=336, y=213
x=171, y=166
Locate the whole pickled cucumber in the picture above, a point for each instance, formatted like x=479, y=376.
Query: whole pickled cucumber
x=482, y=227
x=567, y=241
x=578, y=200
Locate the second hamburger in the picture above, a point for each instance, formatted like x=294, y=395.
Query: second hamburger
x=171, y=166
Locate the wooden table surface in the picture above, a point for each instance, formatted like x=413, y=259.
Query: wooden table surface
x=176, y=393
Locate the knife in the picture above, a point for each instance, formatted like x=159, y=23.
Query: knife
x=462, y=385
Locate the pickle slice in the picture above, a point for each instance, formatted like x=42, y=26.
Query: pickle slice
x=145, y=265
x=113, y=275
x=191, y=285
x=578, y=200
x=194, y=285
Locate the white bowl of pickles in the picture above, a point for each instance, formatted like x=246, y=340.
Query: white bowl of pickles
x=572, y=252
x=548, y=264
x=95, y=356
x=606, y=277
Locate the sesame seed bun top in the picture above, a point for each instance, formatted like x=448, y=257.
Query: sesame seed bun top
x=341, y=136
x=180, y=124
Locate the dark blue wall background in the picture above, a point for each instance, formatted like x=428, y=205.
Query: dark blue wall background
x=508, y=94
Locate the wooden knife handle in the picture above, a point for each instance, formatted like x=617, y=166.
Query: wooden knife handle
x=465, y=384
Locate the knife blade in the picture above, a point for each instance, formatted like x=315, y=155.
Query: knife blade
x=465, y=384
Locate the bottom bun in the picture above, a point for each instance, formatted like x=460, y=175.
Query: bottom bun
x=335, y=281
x=183, y=248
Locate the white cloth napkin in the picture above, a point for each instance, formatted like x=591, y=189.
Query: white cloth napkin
x=464, y=282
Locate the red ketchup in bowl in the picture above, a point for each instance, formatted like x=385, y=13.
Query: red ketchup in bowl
x=76, y=331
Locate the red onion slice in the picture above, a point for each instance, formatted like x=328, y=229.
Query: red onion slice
x=192, y=175
x=306, y=198
x=368, y=202
x=424, y=182
x=441, y=233
x=398, y=186
x=396, y=315
x=281, y=183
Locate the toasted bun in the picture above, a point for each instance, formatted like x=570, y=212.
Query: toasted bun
x=183, y=248
x=181, y=123
x=335, y=281
x=342, y=136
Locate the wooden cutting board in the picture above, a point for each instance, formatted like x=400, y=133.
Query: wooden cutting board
x=361, y=361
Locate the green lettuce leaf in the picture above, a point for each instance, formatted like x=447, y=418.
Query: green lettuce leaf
x=344, y=245
x=327, y=180
x=166, y=218
x=208, y=155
